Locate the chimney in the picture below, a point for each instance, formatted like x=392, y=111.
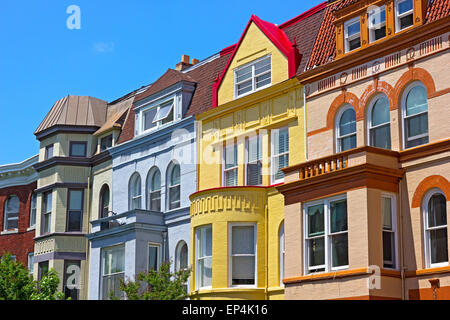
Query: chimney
x=184, y=63
x=194, y=61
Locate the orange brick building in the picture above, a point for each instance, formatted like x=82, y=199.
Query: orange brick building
x=366, y=215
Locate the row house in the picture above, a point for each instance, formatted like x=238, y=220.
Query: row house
x=366, y=215
x=18, y=211
x=254, y=128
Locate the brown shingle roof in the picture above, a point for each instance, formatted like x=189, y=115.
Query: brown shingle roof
x=325, y=47
x=115, y=112
x=75, y=111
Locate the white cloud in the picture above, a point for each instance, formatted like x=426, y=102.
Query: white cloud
x=103, y=47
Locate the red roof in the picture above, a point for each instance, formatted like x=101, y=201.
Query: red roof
x=325, y=47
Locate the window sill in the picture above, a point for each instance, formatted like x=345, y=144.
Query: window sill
x=6, y=232
x=31, y=228
x=429, y=271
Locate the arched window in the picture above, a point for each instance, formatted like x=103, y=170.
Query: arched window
x=181, y=260
x=435, y=221
x=282, y=250
x=11, y=213
x=379, y=122
x=346, y=129
x=154, y=190
x=415, y=115
x=134, y=192
x=104, y=202
x=174, y=186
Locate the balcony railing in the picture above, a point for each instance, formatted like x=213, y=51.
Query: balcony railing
x=133, y=216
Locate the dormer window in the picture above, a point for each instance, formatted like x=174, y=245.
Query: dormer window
x=253, y=76
x=377, y=24
x=403, y=14
x=352, y=34
x=106, y=142
x=157, y=116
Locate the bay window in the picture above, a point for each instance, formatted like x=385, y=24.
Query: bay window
x=243, y=254
x=280, y=153
x=403, y=14
x=326, y=235
x=435, y=221
x=253, y=76
x=415, y=115
x=113, y=270
x=352, y=34
x=203, y=257
x=254, y=161
x=230, y=165
x=380, y=123
x=11, y=221
x=46, y=212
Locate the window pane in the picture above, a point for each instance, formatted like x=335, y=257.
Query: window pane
x=263, y=80
x=49, y=152
x=406, y=21
x=381, y=137
x=316, y=252
x=205, y=242
x=316, y=223
x=438, y=245
x=405, y=6
x=48, y=202
x=380, y=33
x=339, y=247
x=416, y=142
x=254, y=149
x=78, y=149
x=386, y=207
x=205, y=270
x=243, y=270
x=74, y=223
x=174, y=197
x=12, y=205
x=156, y=181
x=231, y=156
x=437, y=211
x=416, y=101
x=183, y=259
x=164, y=111
x=175, y=175
x=354, y=44
x=76, y=200
x=152, y=258
x=114, y=260
x=111, y=285
x=243, y=241
x=380, y=112
x=155, y=201
x=148, y=118
x=417, y=125
x=377, y=16
x=347, y=123
x=353, y=29
x=254, y=174
x=388, y=249
x=262, y=66
x=106, y=143
x=348, y=143
x=243, y=74
x=338, y=216
x=231, y=178
x=244, y=87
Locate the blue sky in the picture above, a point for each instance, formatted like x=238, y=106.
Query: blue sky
x=121, y=46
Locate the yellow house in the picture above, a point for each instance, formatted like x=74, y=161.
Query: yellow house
x=255, y=128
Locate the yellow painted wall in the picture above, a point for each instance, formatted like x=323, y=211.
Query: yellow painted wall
x=254, y=46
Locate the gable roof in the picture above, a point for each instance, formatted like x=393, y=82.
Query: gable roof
x=75, y=111
x=325, y=46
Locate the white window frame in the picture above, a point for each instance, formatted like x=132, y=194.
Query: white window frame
x=102, y=266
x=253, y=77
x=247, y=162
x=399, y=16
x=46, y=212
x=394, y=227
x=159, y=123
x=158, y=255
x=404, y=117
x=369, y=118
x=132, y=193
x=273, y=170
x=33, y=210
x=348, y=38
x=169, y=186
x=338, y=137
x=6, y=216
x=327, y=236
x=373, y=27
x=282, y=238
x=230, y=253
x=197, y=258
x=224, y=170
x=150, y=191
x=426, y=238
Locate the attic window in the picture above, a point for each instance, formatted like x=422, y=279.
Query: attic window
x=403, y=14
x=253, y=76
x=377, y=24
x=352, y=34
x=157, y=116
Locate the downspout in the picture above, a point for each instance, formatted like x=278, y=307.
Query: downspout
x=86, y=267
x=266, y=253
x=402, y=268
